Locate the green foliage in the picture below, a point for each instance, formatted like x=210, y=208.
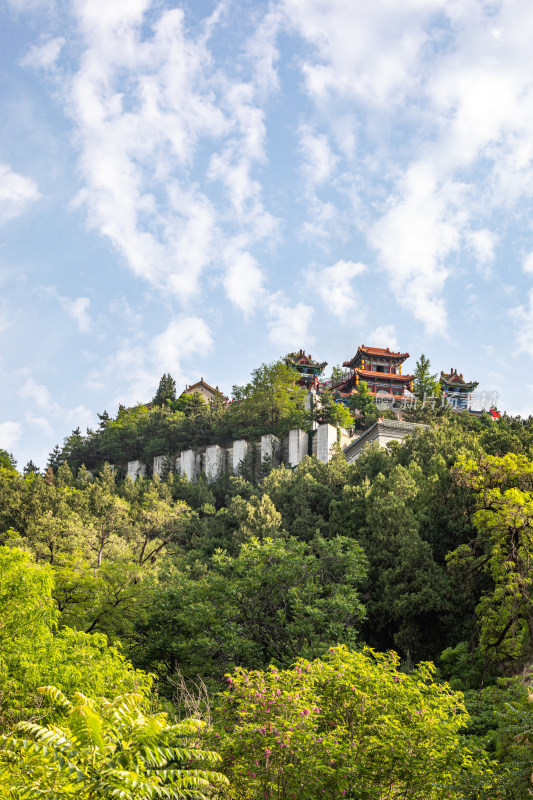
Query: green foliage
x=102, y=749
x=278, y=599
x=271, y=402
x=165, y=391
x=349, y=725
x=425, y=384
x=337, y=373
x=364, y=402
x=329, y=411
x=6, y=460
x=503, y=549
x=32, y=651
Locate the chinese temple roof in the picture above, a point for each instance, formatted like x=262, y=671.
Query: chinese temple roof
x=198, y=386
x=395, y=377
x=301, y=360
x=454, y=381
x=380, y=352
x=372, y=377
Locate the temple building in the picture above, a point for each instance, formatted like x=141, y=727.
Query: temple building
x=456, y=390
x=309, y=370
x=201, y=387
x=380, y=368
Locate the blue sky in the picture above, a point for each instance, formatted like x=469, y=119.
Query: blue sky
x=199, y=187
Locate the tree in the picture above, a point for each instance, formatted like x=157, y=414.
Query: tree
x=425, y=384
x=327, y=410
x=272, y=401
x=55, y=458
x=364, y=402
x=32, y=651
x=278, y=599
x=502, y=549
x=31, y=469
x=165, y=391
x=106, y=749
x=347, y=725
x=337, y=373
x=6, y=460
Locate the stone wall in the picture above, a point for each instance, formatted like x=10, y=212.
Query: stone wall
x=251, y=457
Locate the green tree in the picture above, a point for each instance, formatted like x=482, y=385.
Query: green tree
x=33, y=651
x=102, y=749
x=337, y=373
x=364, y=402
x=327, y=410
x=165, y=391
x=425, y=384
x=348, y=725
x=271, y=401
x=278, y=599
x=503, y=549
x=31, y=469
x=6, y=460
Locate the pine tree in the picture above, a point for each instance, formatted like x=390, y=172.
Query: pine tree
x=165, y=391
x=425, y=384
x=55, y=459
x=30, y=469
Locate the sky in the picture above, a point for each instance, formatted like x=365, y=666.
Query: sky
x=199, y=187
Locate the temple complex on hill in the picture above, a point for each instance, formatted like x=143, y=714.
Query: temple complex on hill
x=456, y=390
x=309, y=370
x=380, y=368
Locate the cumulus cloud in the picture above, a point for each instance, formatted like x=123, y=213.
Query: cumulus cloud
x=143, y=104
x=41, y=423
x=45, y=55
x=138, y=363
x=289, y=324
x=10, y=433
x=414, y=238
x=319, y=160
x=243, y=280
x=334, y=286
x=367, y=51
x=39, y=394
x=17, y=192
x=385, y=336
x=78, y=309
x=523, y=318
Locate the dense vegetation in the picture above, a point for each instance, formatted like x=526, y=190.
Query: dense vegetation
x=324, y=593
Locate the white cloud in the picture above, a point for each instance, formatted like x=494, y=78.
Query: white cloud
x=289, y=325
x=319, y=160
x=78, y=310
x=39, y=394
x=16, y=193
x=414, y=238
x=384, y=336
x=523, y=319
x=39, y=422
x=10, y=433
x=482, y=242
x=138, y=363
x=527, y=264
x=43, y=56
x=334, y=285
x=243, y=281
x=142, y=105
x=81, y=417
x=368, y=51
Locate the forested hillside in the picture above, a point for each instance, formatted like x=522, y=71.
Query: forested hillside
x=320, y=591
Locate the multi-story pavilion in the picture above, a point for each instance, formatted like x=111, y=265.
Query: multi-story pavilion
x=309, y=370
x=380, y=368
x=456, y=390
